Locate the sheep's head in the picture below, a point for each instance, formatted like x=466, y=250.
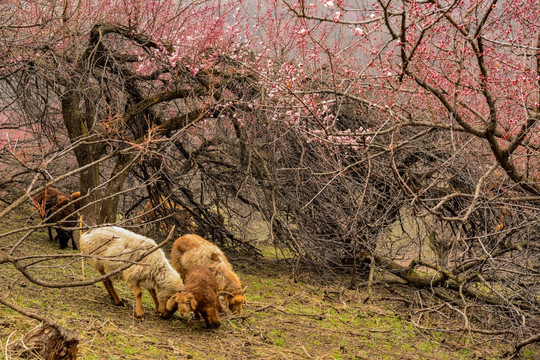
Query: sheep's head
x=185, y=301
x=235, y=302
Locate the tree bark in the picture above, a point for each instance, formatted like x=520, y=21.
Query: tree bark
x=78, y=128
x=51, y=342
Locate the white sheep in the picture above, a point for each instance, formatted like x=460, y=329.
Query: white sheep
x=113, y=246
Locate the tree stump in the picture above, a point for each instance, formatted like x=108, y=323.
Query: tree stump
x=51, y=342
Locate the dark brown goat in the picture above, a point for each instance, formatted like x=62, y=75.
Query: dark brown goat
x=200, y=296
x=57, y=207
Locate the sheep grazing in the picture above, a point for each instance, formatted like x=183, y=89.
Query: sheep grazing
x=154, y=210
x=61, y=209
x=113, y=246
x=191, y=250
x=200, y=295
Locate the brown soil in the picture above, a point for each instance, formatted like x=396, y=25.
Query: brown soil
x=284, y=319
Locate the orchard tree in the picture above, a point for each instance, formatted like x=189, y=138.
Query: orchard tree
x=103, y=89
x=418, y=118
x=108, y=79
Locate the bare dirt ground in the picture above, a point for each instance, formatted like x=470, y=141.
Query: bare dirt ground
x=308, y=319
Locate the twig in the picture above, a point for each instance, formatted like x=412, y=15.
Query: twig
x=24, y=312
x=305, y=351
x=40, y=282
x=532, y=339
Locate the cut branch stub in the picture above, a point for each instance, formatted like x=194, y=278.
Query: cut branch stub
x=50, y=341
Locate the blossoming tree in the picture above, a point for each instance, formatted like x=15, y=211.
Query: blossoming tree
x=401, y=134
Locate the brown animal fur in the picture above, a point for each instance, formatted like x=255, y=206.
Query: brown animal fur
x=54, y=203
x=75, y=199
x=191, y=250
x=199, y=295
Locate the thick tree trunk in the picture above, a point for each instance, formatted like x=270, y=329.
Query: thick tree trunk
x=80, y=126
x=51, y=342
x=119, y=175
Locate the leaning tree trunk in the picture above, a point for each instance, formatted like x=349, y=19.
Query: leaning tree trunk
x=50, y=341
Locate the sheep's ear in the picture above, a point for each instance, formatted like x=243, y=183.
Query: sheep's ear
x=171, y=303
x=193, y=304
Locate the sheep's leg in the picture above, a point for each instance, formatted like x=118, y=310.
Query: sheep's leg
x=61, y=236
x=205, y=317
x=139, y=312
x=72, y=240
x=154, y=297
x=110, y=289
x=211, y=319
x=51, y=239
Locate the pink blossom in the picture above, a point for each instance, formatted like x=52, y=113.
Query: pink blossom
x=328, y=3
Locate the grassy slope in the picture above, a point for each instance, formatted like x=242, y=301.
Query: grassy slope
x=283, y=320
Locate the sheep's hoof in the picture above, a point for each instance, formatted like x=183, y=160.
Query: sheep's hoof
x=165, y=315
x=139, y=316
x=120, y=303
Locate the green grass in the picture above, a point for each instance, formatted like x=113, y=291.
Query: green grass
x=283, y=319
x=278, y=340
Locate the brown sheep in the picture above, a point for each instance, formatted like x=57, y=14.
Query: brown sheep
x=191, y=250
x=49, y=202
x=199, y=295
